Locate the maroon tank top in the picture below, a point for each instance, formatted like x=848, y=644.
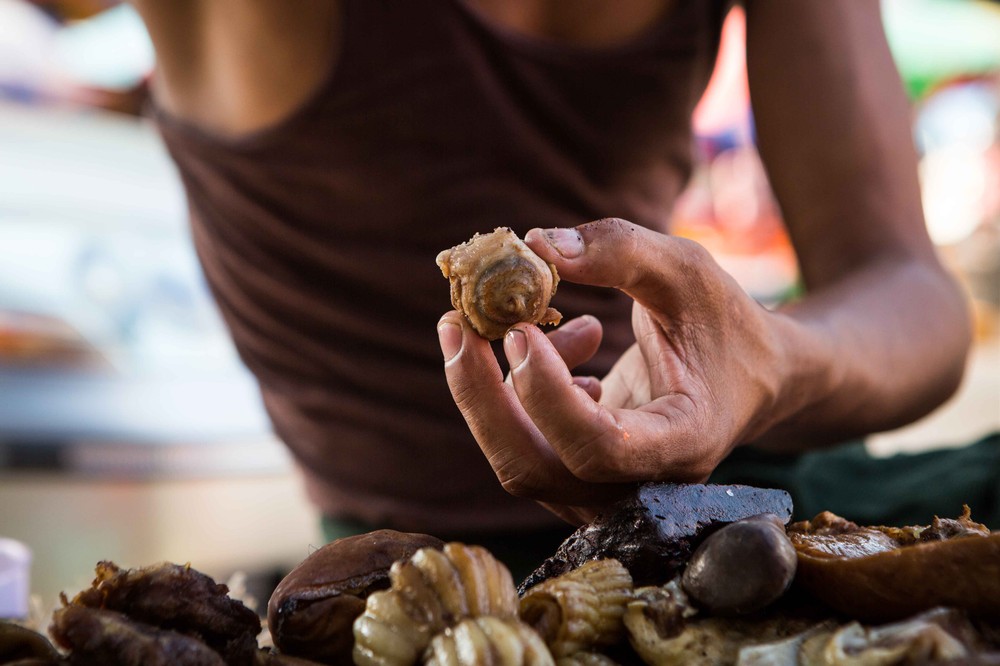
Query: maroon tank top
x=318, y=235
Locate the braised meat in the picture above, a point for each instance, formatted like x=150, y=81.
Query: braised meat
x=889, y=573
x=98, y=637
x=177, y=598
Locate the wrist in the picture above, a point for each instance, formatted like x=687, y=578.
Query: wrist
x=805, y=375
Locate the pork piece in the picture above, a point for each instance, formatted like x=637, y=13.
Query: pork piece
x=654, y=531
x=98, y=637
x=19, y=645
x=889, y=573
x=178, y=598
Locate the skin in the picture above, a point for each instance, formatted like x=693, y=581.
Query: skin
x=879, y=340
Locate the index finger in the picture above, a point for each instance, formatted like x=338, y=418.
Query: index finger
x=521, y=457
x=655, y=269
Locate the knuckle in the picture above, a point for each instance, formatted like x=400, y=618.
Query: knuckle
x=465, y=394
x=594, y=461
x=516, y=481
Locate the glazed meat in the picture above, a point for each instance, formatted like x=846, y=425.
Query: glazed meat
x=497, y=281
x=98, y=637
x=177, y=598
x=654, y=531
x=888, y=573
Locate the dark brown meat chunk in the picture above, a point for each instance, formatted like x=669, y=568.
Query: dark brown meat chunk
x=312, y=611
x=654, y=531
x=101, y=638
x=19, y=644
x=181, y=599
x=270, y=658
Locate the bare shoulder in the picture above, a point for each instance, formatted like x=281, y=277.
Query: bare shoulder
x=235, y=66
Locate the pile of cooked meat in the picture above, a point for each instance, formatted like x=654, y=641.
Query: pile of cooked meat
x=674, y=574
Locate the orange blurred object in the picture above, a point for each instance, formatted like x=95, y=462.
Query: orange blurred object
x=34, y=340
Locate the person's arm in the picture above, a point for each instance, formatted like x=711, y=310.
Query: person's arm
x=235, y=66
x=833, y=127
x=879, y=339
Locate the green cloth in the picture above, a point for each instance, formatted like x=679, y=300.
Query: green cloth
x=905, y=489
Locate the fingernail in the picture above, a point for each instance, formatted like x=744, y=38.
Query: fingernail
x=567, y=242
x=515, y=345
x=573, y=325
x=450, y=337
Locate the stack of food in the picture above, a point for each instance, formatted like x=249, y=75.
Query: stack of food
x=675, y=574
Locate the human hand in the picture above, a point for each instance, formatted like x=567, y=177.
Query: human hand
x=705, y=374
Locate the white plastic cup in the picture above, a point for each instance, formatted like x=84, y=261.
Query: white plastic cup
x=15, y=579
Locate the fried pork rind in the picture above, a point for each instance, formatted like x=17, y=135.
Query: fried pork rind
x=431, y=591
x=177, y=598
x=98, y=637
x=497, y=281
x=580, y=610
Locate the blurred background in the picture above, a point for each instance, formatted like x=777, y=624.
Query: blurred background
x=129, y=429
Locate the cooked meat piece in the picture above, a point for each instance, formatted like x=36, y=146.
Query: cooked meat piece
x=269, y=658
x=19, y=644
x=665, y=629
x=939, y=636
x=654, y=530
x=178, y=598
x=882, y=573
x=98, y=637
x=312, y=611
x=497, y=281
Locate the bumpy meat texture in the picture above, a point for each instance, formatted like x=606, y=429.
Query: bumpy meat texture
x=178, y=598
x=430, y=593
x=98, y=637
x=653, y=531
x=497, y=281
x=19, y=645
x=889, y=573
x=666, y=629
x=312, y=611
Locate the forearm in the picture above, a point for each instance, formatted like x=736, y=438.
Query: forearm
x=873, y=351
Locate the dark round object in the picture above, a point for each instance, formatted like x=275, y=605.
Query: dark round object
x=742, y=568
